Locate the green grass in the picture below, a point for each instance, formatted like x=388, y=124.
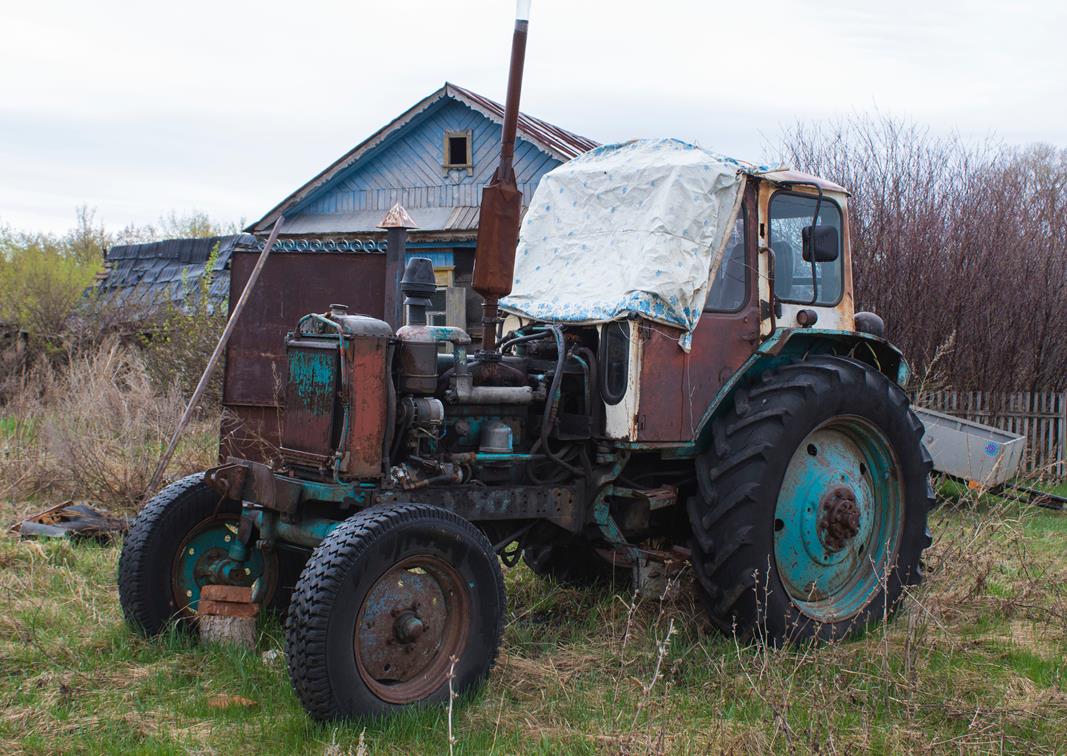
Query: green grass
x=975, y=663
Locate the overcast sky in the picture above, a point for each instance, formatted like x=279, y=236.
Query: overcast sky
x=141, y=108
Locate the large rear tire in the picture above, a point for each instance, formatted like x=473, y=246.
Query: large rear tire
x=385, y=604
x=814, y=496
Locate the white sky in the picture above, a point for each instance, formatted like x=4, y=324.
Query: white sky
x=140, y=108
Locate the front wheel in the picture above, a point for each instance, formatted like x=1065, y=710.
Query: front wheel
x=169, y=551
x=814, y=496
x=393, y=604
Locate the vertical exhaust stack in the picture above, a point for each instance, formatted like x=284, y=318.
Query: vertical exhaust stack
x=498, y=220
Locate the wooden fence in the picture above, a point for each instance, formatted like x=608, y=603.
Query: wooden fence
x=1039, y=416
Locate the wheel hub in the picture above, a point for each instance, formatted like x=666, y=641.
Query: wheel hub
x=408, y=627
x=412, y=620
x=203, y=558
x=839, y=518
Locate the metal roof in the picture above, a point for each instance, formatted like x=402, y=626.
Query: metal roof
x=557, y=142
x=148, y=276
x=564, y=143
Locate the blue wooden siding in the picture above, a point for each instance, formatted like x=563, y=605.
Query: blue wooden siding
x=407, y=168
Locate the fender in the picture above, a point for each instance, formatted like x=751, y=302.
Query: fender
x=785, y=345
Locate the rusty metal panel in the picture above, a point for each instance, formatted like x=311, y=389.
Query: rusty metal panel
x=677, y=387
x=251, y=433
x=291, y=285
x=312, y=396
x=369, y=398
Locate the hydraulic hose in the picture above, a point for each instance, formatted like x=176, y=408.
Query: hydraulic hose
x=552, y=402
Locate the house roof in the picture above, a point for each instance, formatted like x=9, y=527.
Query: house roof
x=558, y=142
x=167, y=272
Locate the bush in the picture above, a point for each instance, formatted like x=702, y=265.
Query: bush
x=954, y=244
x=41, y=285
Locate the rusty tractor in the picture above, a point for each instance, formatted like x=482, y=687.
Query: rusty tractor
x=763, y=437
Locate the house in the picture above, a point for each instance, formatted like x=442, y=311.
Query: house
x=434, y=159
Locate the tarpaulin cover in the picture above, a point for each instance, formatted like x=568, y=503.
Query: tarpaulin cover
x=627, y=230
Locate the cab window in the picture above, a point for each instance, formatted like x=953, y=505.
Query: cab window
x=794, y=279
x=729, y=285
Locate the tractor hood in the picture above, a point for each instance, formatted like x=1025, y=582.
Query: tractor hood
x=627, y=230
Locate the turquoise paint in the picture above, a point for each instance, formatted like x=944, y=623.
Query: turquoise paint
x=313, y=372
x=354, y=493
x=495, y=457
x=204, y=550
x=828, y=584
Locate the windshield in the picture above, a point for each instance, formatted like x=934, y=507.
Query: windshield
x=790, y=214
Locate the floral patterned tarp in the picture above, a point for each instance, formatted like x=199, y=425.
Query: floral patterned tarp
x=627, y=230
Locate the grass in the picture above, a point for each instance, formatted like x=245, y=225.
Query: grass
x=975, y=663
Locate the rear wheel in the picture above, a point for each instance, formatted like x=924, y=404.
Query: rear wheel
x=814, y=497
x=391, y=604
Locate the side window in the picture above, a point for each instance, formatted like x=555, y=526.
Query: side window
x=614, y=360
x=730, y=282
x=793, y=281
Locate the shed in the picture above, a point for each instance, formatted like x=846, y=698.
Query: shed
x=146, y=277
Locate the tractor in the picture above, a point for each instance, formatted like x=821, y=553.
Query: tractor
x=671, y=371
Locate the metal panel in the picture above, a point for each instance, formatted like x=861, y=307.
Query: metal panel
x=311, y=396
x=677, y=387
x=368, y=391
x=251, y=433
x=971, y=451
x=290, y=286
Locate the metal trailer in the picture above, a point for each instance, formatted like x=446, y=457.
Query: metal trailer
x=971, y=451
x=981, y=455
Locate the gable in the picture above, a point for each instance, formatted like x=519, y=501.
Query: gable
x=404, y=162
x=410, y=169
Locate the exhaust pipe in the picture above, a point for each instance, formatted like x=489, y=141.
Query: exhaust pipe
x=498, y=219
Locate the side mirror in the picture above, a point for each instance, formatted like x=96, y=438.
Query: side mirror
x=823, y=241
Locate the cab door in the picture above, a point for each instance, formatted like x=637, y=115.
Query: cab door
x=675, y=387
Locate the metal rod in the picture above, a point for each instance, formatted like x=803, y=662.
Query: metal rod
x=511, y=104
x=157, y=476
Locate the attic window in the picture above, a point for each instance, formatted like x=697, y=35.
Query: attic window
x=458, y=151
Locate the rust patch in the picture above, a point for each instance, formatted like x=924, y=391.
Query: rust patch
x=677, y=387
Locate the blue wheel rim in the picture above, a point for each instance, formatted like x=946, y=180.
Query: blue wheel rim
x=208, y=542
x=838, y=519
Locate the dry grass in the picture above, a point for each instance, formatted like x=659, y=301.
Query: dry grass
x=93, y=428
x=973, y=664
